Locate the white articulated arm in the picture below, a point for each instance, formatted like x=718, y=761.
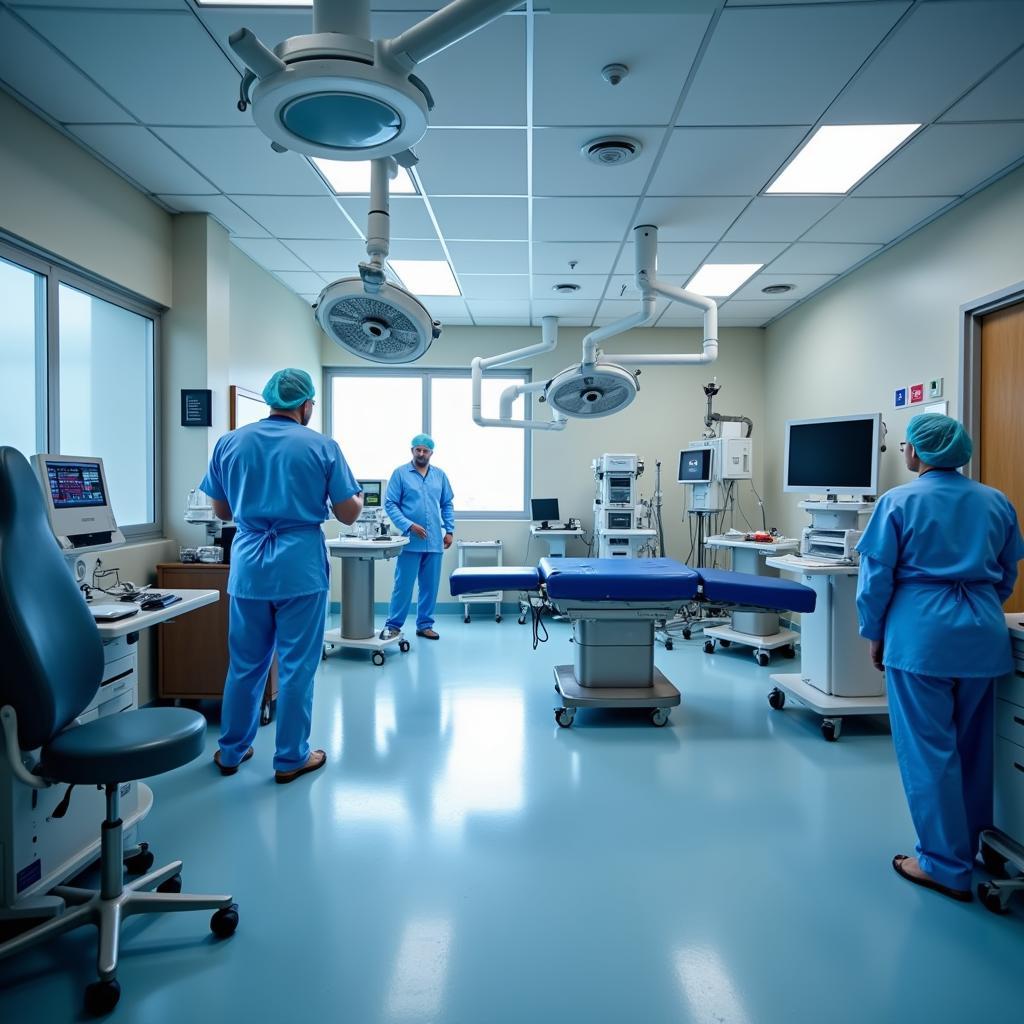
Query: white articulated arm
x=549, y=339
x=451, y=23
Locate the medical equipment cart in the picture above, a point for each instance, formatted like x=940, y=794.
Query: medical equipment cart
x=358, y=630
x=467, y=550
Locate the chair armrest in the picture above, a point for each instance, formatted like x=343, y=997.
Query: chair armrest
x=9, y=722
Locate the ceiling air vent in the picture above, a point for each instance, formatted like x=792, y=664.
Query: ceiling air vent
x=611, y=150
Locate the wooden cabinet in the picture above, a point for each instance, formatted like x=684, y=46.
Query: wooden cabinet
x=193, y=650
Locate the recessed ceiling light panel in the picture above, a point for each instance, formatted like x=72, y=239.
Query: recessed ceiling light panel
x=352, y=177
x=426, y=277
x=718, y=280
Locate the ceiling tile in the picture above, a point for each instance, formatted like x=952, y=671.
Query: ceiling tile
x=618, y=309
x=571, y=50
x=874, y=220
x=490, y=219
x=947, y=160
x=589, y=257
x=143, y=157
x=723, y=161
x=1000, y=97
x=240, y=160
x=938, y=53
x=236, y=221
x=327, y=255
x=779, y=218
x=673, y=257
x=495, y=286
x=575, y=308
x=591, y=285
x=783, y=66
x=270, y=254
x=442, y=307
x=302, y=283
x=165, y=5
x=409, y=217
x=821, y=257
x=298, y=216
x=519, y=320
x=590, y=219
x=559, y=169
x=805, y=284
x=162, y=66
x=415, y=249
x=488, y=309
x=739, y=310
x=745, y=252
x=470, y=162
x=690, y=219
x=44, y=76
x=491, y=257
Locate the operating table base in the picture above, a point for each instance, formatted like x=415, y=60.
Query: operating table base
x=659, y=698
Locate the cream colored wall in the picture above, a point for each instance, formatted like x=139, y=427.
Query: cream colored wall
x=668, y=412
x=891, y=323
x=58, y=197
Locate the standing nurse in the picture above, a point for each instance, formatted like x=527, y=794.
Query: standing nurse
x=421, y=504
x=275, y=478
x=938, y=559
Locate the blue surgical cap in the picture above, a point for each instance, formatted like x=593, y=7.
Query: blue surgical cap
x=940, y=441
x=288, y=389
x=423, y=441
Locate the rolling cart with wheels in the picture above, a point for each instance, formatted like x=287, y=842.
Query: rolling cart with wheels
x=491, y=549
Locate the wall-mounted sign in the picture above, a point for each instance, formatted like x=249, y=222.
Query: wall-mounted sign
x=196, y=407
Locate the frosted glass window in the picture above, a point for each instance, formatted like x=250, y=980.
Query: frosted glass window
x=373, y=419
x=486, y=465
x=22, y=358
x=106, y=397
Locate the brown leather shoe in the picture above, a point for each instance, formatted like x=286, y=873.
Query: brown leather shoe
x=428, y=634
x=317, y=759
x=229, y=769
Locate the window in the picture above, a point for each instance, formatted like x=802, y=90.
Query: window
x=78, y=365
x=373, y=415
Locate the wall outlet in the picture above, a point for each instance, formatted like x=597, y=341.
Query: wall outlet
x=935, y=387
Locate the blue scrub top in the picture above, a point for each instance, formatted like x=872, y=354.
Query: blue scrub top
x=938, y=559
x=426, y=500
x=279, y=478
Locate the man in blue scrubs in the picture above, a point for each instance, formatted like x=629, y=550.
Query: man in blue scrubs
x=420, y=502
x=276, y=478
x=938, y=559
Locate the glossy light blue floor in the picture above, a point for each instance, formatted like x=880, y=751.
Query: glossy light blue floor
x=462, y=859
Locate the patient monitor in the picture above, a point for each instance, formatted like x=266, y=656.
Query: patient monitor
x=77, y=502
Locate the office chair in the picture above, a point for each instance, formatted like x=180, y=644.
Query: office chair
x=52, y=666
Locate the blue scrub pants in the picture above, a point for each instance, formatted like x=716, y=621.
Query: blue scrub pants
x=424, y=569
x=295, y=627
x=943, y=733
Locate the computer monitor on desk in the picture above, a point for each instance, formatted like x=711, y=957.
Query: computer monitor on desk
x=77, y=502
x=544, y=511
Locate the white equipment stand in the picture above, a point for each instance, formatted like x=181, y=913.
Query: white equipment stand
x=555, y=539
x=623, y=543
x=38, y=851
x=836, y=677
x=358, y=629
x=467, y=548
x=760, y=630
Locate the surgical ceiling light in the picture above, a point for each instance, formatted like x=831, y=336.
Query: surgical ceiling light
x=338, y=94
x=352, y=177
x=720, y=280
x=838, y=156
x=368, y=315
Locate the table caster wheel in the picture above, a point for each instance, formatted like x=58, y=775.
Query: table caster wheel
x=725, y=643
x=139, y=863
x=171, y=885
x=659, y=717
x=687, y=634
x=497, y=618
x=225, y=921
x=522, y=620
x=565, y=716
x=831, y=728
x=101, y=997
x=762, y=658
x=466, y=619
x=378, y=658
x=789, y=652
x=669, y=645
x=994, y=863
x=709, y=646
x=776, y=699
x=403, y=646
x=990, y=898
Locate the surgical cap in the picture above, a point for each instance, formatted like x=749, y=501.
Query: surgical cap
x=423, y=441
x=288, y=389
x=940, y=441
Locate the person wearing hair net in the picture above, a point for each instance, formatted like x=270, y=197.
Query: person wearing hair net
x=420, y=502
x=938, y=559
x=278, y=480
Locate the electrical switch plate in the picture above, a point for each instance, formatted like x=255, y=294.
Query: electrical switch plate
x=935, y=387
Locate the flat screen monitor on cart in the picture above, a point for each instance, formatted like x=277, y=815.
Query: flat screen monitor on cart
x=837, y=455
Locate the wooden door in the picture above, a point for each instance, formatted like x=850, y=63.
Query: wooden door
x=1002, y=412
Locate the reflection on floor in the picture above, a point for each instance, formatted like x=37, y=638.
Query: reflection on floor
x=462, y=859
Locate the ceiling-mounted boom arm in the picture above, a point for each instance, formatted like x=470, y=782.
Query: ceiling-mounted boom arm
x=451, y=23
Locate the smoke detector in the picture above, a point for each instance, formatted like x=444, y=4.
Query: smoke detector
x=777, y=289
x=565, y=288
x=611, y=150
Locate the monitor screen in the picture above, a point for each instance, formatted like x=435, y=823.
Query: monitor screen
x=620, y=490
x=695, y=466
x=75, y=484
x=372, y=492
x=544, y=510
x=833, y=456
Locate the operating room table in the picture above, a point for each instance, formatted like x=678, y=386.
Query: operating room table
x=613, y=605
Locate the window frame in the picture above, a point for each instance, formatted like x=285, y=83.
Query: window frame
x=56, y=272
x=426, y=375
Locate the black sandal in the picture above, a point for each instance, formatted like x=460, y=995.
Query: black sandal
x=227, y=769
x=961, y=895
